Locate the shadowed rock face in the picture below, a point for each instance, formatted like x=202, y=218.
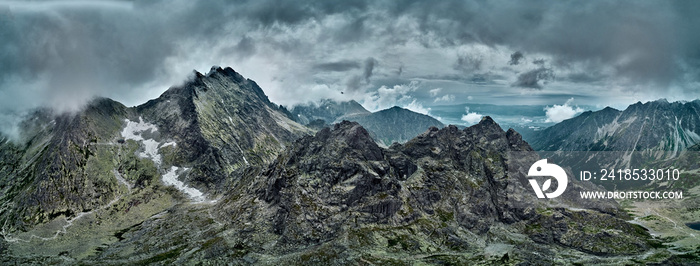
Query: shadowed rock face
x=223, y=123
x=339, y=183
x=341, y=168
x=53, y=171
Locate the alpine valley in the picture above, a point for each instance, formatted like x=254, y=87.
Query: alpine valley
x=212, y=172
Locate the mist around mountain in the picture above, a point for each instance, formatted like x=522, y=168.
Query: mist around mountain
x=202, y=134
x=213, y=172
x=327, y=110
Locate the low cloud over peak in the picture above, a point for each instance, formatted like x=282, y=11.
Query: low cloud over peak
x=558, y=113
x=62, y=53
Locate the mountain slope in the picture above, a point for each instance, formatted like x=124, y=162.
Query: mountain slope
x=222, y=123
x=395, y=124
x=657, y=125
x=198, y=138
x=445, y=197
x=60, y=168
x=208, y=172
x=337, y=196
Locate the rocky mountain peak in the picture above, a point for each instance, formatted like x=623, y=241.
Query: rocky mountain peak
x=450, y=141
x=221, y=120
x=346, y=141
x=608, y=109
x=227, y=72
x=486, y=125
x=358, y=138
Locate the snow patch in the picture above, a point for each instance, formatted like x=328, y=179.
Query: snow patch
x=172, y=143
x=134, y=131
x=151, y=151
x=170, y=178
x=246, y=161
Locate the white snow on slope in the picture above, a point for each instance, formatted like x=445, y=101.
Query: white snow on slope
x=151, y=151
x=170, y=178
x=172, y=143
x=134, y=131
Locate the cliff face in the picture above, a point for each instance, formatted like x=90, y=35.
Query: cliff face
x=223, y=123
x=446, y=190
x=59, y=169
x=209, y=130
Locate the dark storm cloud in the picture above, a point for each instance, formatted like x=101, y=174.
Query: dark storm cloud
x=582, y=77
x=534, y=79
x=469, y=62
x=76, y=51
x=339, y=66
x=369, y=68
x=246, y=46
x=515, y=58
x=356, y=82
x=59, y=53
x=640, y=40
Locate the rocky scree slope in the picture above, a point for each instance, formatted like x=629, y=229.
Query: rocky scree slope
x=443, y=192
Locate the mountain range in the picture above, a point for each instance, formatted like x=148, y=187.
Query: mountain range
x=655, y=125
x=212, y=172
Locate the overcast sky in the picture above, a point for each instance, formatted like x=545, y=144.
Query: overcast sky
x=414, y=54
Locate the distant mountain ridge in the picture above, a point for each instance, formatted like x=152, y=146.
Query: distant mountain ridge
x=329, y=111
x=656, y=125
x=386, y=126
x=395, y=124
